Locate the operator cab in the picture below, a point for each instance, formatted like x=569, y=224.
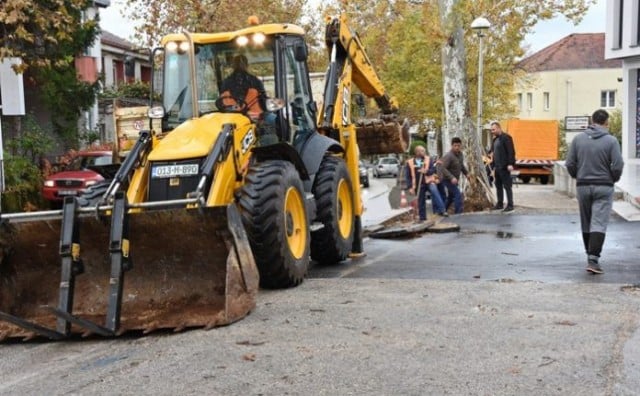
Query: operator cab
x=264, y=77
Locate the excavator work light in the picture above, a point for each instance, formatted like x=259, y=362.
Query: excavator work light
x=177, y=46
x=171, y=46
x=183, y=46
x=258, y=38
x=242, y=41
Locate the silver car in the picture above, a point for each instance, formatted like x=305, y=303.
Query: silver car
x=386, y=166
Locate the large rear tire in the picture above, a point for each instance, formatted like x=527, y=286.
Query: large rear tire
x=335, y=209
x=275, y=219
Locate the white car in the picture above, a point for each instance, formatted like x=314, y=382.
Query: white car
x=386, y=166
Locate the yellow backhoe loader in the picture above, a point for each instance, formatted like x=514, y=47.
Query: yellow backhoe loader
x=245, y=182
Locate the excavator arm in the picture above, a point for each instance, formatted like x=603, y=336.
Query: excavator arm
x=349, y=65
x=347, y=44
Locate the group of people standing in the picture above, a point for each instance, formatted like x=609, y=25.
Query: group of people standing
x=441, y=176
x=594, y=160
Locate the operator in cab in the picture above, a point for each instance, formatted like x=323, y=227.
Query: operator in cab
x=243, y=86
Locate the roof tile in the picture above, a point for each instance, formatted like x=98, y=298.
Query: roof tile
x=576, y=51
x=109, y=38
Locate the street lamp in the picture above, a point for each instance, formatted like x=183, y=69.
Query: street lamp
x=480, y=25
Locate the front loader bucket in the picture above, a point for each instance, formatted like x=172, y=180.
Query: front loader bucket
x=185, y=268
x=382, y=136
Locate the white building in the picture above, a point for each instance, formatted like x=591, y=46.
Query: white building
x=568, y=81
x=623, y=42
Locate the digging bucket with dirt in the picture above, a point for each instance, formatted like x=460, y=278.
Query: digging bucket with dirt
x=107, y=271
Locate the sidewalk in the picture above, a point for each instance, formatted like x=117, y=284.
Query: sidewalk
x=542, y=198
x=629, y=187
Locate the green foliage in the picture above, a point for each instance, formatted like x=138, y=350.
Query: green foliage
x=562, y=142
x=615, y=124
x=159, y=17
x=137, y=89
x=412, y=70
x=416, y=143
x=45, y=33
x=33, y=143
x=48, y=35
x=23, y=155
x=21, y=174
x=90, y=137
x=407, y=51
x=66, y=98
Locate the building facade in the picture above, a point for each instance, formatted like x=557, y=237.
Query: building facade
x=623, y=43
x=568, y=80
x=122, y=61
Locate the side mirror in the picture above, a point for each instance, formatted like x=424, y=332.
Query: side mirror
x=274, y=104
x=156, y=112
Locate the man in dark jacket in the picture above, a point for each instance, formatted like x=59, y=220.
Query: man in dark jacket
x=594, y=160
x=503, y=156
x=451, y=169
x=244, y=86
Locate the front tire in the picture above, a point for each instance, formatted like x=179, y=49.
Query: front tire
x=335, y=210
x=275, y=219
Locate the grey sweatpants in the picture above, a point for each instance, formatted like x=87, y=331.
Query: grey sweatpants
x=595, y=207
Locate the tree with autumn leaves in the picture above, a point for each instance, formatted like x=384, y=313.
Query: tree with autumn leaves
x=512, y=20
x=423, y=49
x=427, y=56
x=47, y=35
x=155, y=18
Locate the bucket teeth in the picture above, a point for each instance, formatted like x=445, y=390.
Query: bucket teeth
x=382, y=136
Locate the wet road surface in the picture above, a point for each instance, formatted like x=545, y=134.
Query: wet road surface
x=519, y=247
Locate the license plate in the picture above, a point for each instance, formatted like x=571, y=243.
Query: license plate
x=166, y=171
x=67, y=192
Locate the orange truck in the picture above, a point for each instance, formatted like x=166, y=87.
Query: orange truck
x=536, y=144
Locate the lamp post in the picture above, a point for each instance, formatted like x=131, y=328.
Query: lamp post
x=480, y=25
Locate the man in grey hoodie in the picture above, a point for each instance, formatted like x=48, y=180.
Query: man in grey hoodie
x=594, y=160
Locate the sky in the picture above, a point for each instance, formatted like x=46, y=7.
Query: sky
x=545, y=33
x=548, y=32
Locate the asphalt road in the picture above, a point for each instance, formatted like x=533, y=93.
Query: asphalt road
x=502, y=308
x=529, y=247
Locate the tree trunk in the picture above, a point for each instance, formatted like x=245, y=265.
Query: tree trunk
x=477, y=192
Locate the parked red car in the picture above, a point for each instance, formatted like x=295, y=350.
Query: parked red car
x=77, y=176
